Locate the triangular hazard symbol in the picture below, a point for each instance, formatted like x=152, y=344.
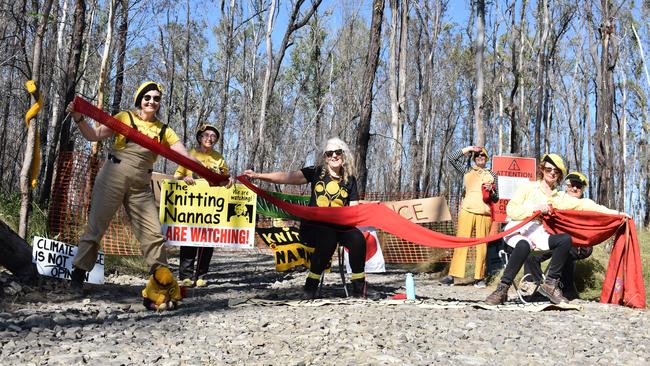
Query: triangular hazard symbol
x=514, y=166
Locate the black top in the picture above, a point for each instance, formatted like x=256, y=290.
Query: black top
x=327, y=191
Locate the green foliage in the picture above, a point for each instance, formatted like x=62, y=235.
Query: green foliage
x=10, y=214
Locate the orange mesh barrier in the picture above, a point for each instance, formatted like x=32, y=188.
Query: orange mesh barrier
x=69, y=206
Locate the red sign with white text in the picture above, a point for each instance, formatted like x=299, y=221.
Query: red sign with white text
x=512, y=172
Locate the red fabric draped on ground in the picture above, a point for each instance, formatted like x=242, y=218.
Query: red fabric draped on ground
x=379, y=216
x=624, y=278
x=84, y=107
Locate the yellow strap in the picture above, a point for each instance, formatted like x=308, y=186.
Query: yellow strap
x=313, y=275
x=358, y=276
x=30, y=85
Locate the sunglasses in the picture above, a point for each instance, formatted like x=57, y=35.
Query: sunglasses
x=148, y=97
x=209, y=136
x=481, y=154
x=549, y=170
x=573, y=186
x=329, y=153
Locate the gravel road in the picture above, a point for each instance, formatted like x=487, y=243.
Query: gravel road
x=216, y=325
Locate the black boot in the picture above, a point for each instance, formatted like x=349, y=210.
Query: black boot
x=77, y=278
x=310, y=289
x=359, y=287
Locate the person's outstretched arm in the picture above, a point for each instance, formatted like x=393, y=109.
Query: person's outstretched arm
x=294, y=177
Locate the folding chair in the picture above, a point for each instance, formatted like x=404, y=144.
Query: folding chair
x=340, y=251
x=504, y=254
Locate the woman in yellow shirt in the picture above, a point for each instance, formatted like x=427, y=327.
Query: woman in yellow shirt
x=125, y=179
x=540, y=195
x=207, y=136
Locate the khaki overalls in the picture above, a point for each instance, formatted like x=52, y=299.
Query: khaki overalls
x=124, y=179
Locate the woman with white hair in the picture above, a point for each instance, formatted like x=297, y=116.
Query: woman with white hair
x=332, y=185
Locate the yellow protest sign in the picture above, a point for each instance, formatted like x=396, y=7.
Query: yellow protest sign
x=204, y=216
x=288, y=249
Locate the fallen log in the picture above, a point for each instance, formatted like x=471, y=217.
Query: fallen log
x=16, y=255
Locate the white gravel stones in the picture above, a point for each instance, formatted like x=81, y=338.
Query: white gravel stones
x=110, y=326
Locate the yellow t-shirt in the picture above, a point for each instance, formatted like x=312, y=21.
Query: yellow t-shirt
x=473, y=200
x=528, y=196
x=151, y=129
x=213, y=161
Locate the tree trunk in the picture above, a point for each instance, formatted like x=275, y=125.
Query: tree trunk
x=96, y=146
x=605, y=65
x=122, y=33
x=186, y=91
x=480, y=46
x=16, y=255
x=273, y=67
x=393, y=89
x=223, y=112
x=372, y=59
x=517, y=47
x=25, y=183
x=540, y=85
x=57, y=104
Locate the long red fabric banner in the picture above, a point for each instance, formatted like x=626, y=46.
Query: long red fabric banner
x=381, y=217
x=84, y=107
x=623, y=281
x=624, y=278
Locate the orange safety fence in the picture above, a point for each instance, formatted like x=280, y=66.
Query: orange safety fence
x=69, y=207
x=70, y=201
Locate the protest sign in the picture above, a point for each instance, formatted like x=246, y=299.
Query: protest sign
x=374, y=257
x=285, y=242
x=203, y=216
x=290, y=251
x=431, y=209
x=54, y=259
x=156, y=183
x=512, y=172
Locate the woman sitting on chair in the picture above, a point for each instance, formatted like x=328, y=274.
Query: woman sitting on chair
x=540, y=195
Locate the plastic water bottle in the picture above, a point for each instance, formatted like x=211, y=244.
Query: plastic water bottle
x=410, y=287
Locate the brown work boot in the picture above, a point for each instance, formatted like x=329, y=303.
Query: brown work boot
x=499, y=296
x=551, y=289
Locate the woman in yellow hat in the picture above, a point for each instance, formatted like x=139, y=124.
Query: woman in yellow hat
x=540, y=195
x=575, y=185
x=206, y=136
x=474, y=216
x=125, y=179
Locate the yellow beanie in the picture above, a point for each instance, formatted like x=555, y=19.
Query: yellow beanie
x=145, y=87
x=556, y=160
x=164, y=276
x=577, y=177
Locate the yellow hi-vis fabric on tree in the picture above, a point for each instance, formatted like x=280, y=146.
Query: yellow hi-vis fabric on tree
x=30, y=85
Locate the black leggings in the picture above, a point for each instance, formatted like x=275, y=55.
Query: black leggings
x=533, y=265
x=187, y=257
x=560, y=244
x=324, y=237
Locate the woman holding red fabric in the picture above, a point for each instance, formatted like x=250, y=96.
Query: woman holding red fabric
x=575, y=185
x=541, y=195
x=206, y=136
x=125, y=179
x=332, y=185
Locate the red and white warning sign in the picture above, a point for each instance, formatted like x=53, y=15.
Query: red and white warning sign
x=512, y=172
